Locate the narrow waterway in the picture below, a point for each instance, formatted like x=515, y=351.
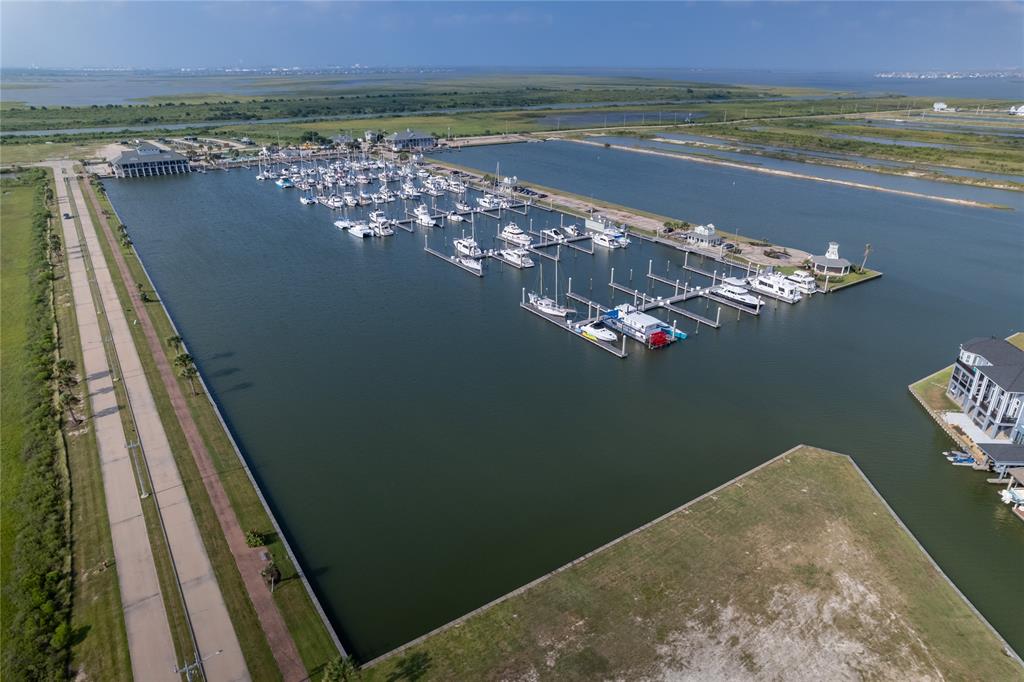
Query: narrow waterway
x=428, y=446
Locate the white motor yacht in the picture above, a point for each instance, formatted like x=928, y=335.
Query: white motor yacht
x=518, y=257
x=455, y=217
x=423, y=216
x=343, y=224
x=360, y=229
x=571, y=230
x=467, y=246
x=804, y=282
x=487, y=202
x=553, y=235
x=473, y=264
x=733, y=289
x=777, y=286
x=513, y=234
x=606, y=240
x=598, y=332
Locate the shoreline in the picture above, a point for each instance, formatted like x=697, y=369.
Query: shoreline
x=798, y=176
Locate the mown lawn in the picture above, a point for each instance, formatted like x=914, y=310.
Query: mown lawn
x=932, y=390
x=799, y=566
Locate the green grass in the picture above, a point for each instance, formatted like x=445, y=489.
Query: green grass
x=35, y=539
x=1017, y=339
x=981, y=152
x=932, y=391
x=16, y=240
x=321, y=97
x=40, y=151
x=798, y=566
x=311, y=638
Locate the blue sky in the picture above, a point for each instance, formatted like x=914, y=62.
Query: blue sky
x=851, y=36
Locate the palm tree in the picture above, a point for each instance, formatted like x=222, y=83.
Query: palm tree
x=65, y=372
x=175, y=342
x=190, y=372
x=867, y=250
x=68, y=401
x=184, y=360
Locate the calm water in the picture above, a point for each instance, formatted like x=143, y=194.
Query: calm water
x=428, y=446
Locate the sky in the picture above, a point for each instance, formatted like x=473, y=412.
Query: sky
x=841, y=36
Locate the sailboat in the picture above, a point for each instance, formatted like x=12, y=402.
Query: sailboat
x=546, y=304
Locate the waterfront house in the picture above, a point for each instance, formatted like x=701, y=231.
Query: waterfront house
x=342, y=140
x=409, y=139
x=148, y=159
x=830, y=264
x=988, y=384
x=939, y=106
x=704, y=235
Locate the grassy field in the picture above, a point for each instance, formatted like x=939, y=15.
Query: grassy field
x=40, y=151
x=979, y=152
x=311, y=638
x=15, y=276
x=932, y=390
x=1017, y=340
x=799, y=566
x=314, y=99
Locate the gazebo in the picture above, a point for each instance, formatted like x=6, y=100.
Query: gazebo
x=830, y=264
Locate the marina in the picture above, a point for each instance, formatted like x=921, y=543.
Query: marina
x=284, y=277
x=453, y=197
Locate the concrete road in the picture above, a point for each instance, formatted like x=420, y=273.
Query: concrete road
x=149, y=636
x=214, y=633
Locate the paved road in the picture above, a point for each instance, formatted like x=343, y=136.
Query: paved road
x=247, y=558
x=149, y=636
x=214, y=633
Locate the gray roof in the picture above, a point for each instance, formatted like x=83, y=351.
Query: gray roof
x=149, y=153
x=830, y=262
x=408, y=135
x=1004, y=453
x=1008, y=377
x=996, y=351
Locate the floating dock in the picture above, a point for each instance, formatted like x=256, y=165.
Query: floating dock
x=454, y=260
x=572, y=328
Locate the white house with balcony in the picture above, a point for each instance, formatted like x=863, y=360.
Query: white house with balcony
x=988, y=384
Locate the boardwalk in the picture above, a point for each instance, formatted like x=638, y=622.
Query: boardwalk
x=213, y=631
x=149, y=637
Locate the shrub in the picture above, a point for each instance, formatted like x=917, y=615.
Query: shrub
x=254, y=538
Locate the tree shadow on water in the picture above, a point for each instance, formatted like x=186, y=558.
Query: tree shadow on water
x=411, y=667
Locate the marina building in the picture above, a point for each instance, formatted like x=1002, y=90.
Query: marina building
x=409, y=139
x=705, y=236
x=988, y=384
x=830, y=264
x=148, y=159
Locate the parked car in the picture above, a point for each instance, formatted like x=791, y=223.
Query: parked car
x=67, y=216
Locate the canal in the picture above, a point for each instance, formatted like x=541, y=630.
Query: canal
x=428, y=446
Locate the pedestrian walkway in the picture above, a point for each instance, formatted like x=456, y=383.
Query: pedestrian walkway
x=149, y=636
x=219, y=651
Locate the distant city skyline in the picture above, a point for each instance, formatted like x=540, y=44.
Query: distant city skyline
x=810, y=36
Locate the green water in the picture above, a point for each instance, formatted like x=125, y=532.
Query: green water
x=428, y=446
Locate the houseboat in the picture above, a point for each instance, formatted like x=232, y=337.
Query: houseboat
x=777, y=286
x=648, y=330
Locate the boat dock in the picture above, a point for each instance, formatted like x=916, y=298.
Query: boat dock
x=453, y=260
x=573, y=328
